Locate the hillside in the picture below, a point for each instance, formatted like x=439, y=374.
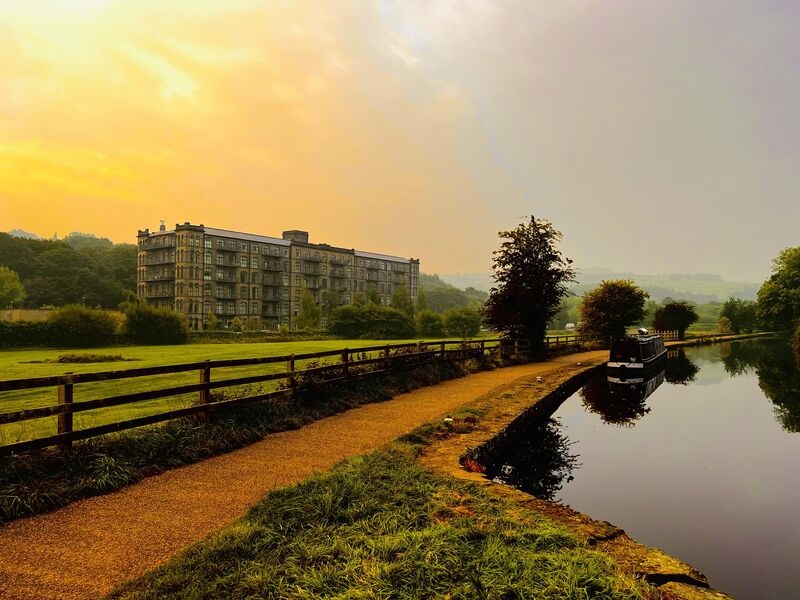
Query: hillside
x=697, y=287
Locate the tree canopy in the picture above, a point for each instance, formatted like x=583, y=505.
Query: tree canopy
x=531, y=278
x=740, y=313
x=611, y=307
x=11, y=290
x=676, y=315
x=779, y=296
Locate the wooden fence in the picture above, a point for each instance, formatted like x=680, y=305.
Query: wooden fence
x=351, y=364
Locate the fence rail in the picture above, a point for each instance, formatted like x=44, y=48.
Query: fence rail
x=352, y=363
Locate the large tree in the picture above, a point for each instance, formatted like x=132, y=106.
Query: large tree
x=779, y=296
x=531, y=278
x=11, y=290
x=309, y=315
x=401, y=300
x=611, y=307
x=740, y=313
x=675, y=316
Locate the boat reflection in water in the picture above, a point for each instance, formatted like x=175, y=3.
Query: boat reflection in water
x=620, y=400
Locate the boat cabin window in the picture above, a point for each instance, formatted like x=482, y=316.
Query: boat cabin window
x=624, y=350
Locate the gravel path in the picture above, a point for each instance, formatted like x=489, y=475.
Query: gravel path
x=89, y=547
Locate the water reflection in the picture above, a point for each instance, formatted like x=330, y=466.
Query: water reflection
x=680, y=370
x=773, y=362
x=620, y=401
x=538, y=463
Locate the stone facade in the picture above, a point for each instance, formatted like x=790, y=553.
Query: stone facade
x=198, y=271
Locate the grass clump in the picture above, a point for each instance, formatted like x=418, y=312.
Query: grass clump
x=381, y=526
x=91, y=358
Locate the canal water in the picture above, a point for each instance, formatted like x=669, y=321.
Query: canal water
x=702, y=460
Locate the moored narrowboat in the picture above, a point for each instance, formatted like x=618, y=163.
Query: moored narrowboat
x=636, y=352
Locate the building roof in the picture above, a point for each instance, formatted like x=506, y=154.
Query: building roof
x=250, y=237
x=382, y=256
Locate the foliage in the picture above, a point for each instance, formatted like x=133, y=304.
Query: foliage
x=373, y=297
x=371, y=321
x=145, y=324
x=11, y=290
x=82, y=269
x=212, y=323
x=741, y=313
x=308, y=318
x=21, y=334
x=531, y=279
x=401, y=300
x=429, y=323
x=462, y=322
x=678, y=315
x=724, y=325
x=79, y=326
x=796, y=344
x=422, y=302
x=330, y=299
x=440, y=296
x=381, y=526
x=90, y=358
x=779, y=296
x=611, y=307
x=236, y=325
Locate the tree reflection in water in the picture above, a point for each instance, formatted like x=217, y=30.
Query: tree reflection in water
x=773, y=362
x=538, y=463
x=620, y=401
x=680, y=370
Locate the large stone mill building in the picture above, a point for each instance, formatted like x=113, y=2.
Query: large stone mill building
x=198, y=271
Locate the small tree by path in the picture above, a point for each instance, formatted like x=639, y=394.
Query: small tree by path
x=308, y=318
x=611, y=307
x=531, y=278
x=675, y=316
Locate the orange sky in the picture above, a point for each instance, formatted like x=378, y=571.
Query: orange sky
x=416, y=128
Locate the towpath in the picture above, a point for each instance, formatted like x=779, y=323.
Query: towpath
x=91, y=546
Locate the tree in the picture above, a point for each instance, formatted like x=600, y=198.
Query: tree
x=611, y=307
x=462, y=322
x=796, y=344
x=11, y=290
x=401, y=300
x=429, y=323
x=373, y=297
x=212, y=323
x=724, y=325
x=370, y=321
x=675, y=316
x=308, y=319
x=779, y=296
x=422, y=303
x=741, y=313
x=330, y=300
x=531, y=278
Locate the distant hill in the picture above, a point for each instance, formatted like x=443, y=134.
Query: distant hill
x=19, y=233
x=697, y=287
x=441, y=296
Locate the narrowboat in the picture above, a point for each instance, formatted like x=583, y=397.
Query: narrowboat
x=636, y=352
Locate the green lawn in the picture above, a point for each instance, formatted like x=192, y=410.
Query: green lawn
x=17, y=364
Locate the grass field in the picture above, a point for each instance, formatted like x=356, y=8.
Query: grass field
x=18, y=364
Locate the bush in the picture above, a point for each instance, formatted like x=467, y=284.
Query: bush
x=21, y=334
x=462, y=322
x=79, y=326
x=370, y=321
x=429, y=323
x=145, y=324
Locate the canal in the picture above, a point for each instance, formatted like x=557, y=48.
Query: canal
x=701, y=460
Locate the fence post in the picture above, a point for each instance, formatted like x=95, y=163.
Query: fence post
x=483, y=348
x=387, y=362
x=442, y=350
x=290, y=371
x=205, y=394
x=345, y=361
x=65, y=394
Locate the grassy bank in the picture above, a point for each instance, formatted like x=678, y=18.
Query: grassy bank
x=380, y=526
x=42, y=480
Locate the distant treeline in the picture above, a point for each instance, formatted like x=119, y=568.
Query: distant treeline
x=440, y=296
x=80, y=269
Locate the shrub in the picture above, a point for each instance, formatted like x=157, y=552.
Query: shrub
x=370, y=321
x=145, y=324
x=79, y=326
x=429, y=323
x=462, y=322
x=724, y=325
x=20, y=334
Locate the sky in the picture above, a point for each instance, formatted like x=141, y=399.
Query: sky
x=658, y=136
